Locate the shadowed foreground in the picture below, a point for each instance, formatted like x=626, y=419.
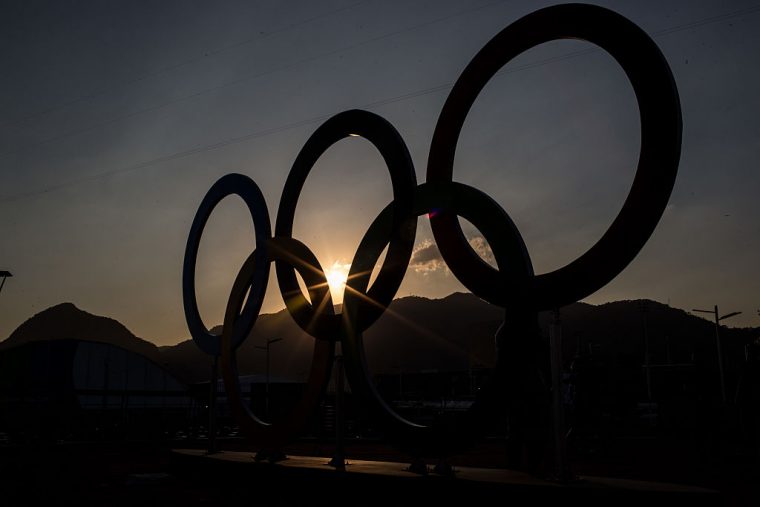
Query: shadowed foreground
x=146, y=474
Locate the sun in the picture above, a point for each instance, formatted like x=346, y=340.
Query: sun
x=336, y=278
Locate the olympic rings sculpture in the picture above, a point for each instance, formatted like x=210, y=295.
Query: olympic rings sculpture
x=511, y=285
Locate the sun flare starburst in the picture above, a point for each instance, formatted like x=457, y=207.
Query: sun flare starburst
x=336, y=275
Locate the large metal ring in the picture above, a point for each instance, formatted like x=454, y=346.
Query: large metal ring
x=403, y=180
x=512, y=284
x=660, y=115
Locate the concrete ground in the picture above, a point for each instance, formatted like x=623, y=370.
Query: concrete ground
x=144, y=473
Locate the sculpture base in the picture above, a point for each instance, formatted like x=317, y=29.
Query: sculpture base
x=310, y=480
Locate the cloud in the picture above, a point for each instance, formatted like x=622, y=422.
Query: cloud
x=481, y=246
x=426, y=258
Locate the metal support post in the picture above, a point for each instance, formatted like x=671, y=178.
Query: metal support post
x=555, y=345
x=212, y=407
x=339, y=458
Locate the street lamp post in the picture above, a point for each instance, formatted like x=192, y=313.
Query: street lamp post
x=269, y=343
x=212, y=406
x=718, y=345
x=3, y=276
x=644, y=308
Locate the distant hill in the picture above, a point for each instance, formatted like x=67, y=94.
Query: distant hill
x=66, y=321
x=417, y=333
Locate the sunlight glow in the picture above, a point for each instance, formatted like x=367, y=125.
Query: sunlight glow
x=336, y=278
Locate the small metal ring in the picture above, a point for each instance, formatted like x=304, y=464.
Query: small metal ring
x=245, y=188
x=272, y=436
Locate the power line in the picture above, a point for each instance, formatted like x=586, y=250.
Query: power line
x=168, y=158
x=205, y=91
x=315, y=119
x=170, y=68
x=710, y=20
x=222, y=49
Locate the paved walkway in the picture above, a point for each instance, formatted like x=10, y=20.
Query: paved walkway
x=470, y=478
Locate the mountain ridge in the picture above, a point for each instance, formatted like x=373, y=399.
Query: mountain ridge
x=67, y=321
x=417, y=333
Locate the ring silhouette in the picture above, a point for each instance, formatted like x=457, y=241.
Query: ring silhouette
x=660, y=118
x=511, y=284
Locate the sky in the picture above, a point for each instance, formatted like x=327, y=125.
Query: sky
x=117, y=117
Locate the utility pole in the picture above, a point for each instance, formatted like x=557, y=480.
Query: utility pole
x=269, y=343
x=469, y=367
x=668, y=357
x=400, y=380
x=718, y=345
